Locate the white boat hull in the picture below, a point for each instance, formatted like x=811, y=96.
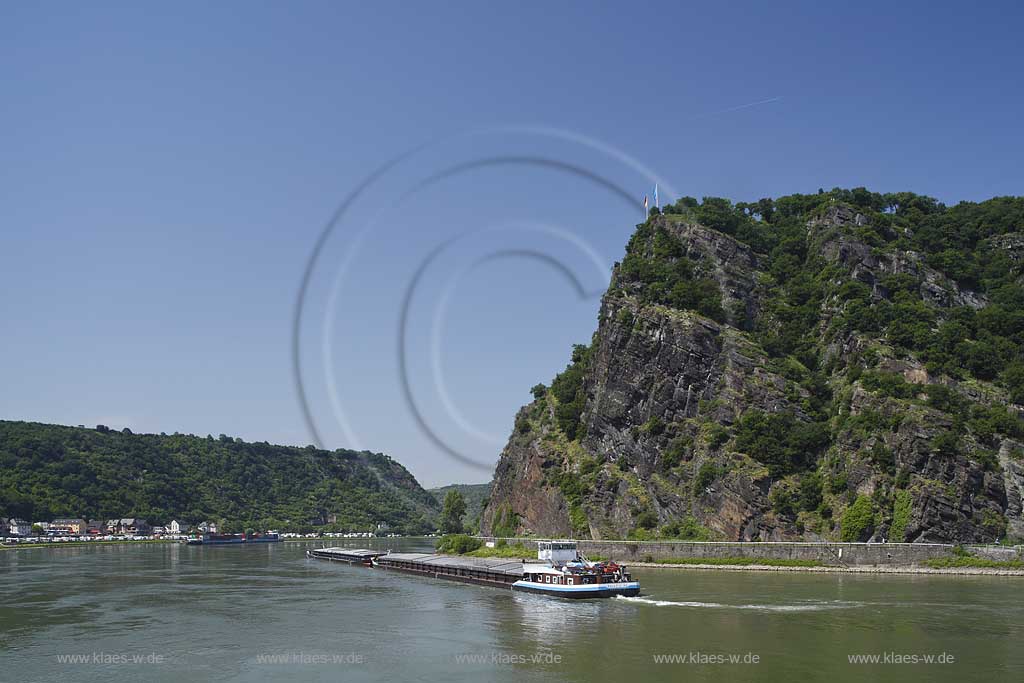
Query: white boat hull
x=587, y=590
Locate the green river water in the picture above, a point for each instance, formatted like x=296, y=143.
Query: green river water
x=266, y=613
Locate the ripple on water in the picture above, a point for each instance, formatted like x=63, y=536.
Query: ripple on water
x=817, y=606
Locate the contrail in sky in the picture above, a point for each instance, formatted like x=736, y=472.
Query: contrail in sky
x=738, y=107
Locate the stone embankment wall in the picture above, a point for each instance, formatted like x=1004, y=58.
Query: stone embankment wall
x=830, y=554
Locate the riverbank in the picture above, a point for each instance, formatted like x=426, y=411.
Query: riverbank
x=794, y=556
x=145, y=541
x=955, y=571
x=79, y=544
x=961, y=568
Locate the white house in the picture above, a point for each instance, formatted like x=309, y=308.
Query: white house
x=174, y=527
x=20, y=527
x=207, y=527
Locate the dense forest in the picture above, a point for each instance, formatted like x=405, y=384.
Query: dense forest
x=49, y=471
x=843, y=351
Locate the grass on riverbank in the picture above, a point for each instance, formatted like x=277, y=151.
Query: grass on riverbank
x=740, y=561
x=511, y=551
x=970, y=561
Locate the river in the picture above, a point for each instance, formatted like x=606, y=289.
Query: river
x=264, y=613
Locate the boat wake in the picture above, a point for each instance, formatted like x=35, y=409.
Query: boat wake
x=808, y=607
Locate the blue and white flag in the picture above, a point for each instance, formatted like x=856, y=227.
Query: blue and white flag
x=656, y=204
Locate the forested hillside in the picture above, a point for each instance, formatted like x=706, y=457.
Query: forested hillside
x=49, y=471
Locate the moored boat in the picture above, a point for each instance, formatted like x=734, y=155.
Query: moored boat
x=232, y=539
x=268, y=537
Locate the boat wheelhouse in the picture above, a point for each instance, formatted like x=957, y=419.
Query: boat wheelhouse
x=561, y=570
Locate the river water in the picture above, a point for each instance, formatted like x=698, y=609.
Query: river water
x=267, y=613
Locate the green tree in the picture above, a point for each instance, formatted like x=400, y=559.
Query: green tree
x=780, y=441
x=451, y=513
x=1013, y=378
x=858, y=520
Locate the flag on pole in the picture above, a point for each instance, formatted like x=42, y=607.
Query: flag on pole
x=656, y=203
x=645, y=206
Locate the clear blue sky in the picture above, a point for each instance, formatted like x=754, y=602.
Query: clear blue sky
x=167, y=170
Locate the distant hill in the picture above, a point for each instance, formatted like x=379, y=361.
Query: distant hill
x=475, y=494
x=49, y=471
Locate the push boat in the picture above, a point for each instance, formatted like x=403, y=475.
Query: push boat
x=559, y=570
x=563, y=571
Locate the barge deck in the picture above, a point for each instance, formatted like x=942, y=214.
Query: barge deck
x=500, y=572
x=349, y=555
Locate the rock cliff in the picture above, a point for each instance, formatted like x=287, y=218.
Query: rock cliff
x=818, y=366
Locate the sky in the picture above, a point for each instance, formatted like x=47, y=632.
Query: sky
x=470, y=172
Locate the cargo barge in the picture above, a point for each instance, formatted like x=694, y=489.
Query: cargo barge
x=485, y=571
x=350, y=555
x=559, y=570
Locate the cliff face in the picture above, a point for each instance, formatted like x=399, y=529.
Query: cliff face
x=788, y=387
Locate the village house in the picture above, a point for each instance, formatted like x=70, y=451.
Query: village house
x=72, y=526
x=174, y=527
x=207, y=527
x=129, y=526
x=95, y=527
x=19, y=527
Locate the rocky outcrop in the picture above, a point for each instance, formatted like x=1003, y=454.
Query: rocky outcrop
x=660, y=375
x=665, y=390
x=521, y=487
x=1011, y=459
x=836, y=244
